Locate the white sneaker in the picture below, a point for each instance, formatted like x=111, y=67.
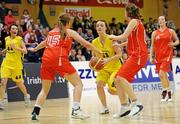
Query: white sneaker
x=79, y=114
x=27, y=100
x=2, y=106
x=125, y=110
x=104, y=111
x=136, y=108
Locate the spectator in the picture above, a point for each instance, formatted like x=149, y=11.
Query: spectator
x=9, y=18
x=89, y=35
x=4, y=33
x=3, y=11
x=26, y=15
x=80, y=56
x=73, y=56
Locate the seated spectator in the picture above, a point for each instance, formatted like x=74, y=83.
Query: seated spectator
x=4, y=33
x=80, y=56
x=89, y=35
x=87, y=54
x=72, y=56
x=9, y=18
x=3, y=11
x=26, y=15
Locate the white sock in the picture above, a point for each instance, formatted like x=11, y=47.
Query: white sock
x=76, y=105
x=37, y=106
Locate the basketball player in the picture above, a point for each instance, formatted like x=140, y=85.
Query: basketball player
x=162, y=44
x=55, y=59
x=137, y=58
x=12, y=64
x=111, y=60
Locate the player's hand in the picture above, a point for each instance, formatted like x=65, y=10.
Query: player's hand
x=171, y=44
x=112, y=37
x=32, y=49
x=105, y=61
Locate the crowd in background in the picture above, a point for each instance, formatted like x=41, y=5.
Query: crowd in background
x=33, y=32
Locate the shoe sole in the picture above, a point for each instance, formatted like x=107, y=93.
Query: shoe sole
x=141, y=108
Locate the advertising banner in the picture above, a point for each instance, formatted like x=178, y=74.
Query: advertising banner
x=80, y=12
x=146, y=79
x=98, y=3
x=176, y=72
x=32, y=82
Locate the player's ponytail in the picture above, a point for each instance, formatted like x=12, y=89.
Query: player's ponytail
x=63, y=20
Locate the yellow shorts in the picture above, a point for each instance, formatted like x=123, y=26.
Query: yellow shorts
x=108, y=78
x=14, y=74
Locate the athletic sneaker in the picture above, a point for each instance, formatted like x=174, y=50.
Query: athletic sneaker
x=34, y=116
x=79, y=114
x=135, y=109
x=164, y=96
x=169, y=96
x=27, y=100
x=125, y=110
x=104, y=111
x=1, y=106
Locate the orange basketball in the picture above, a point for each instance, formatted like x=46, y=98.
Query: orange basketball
x=96, y=64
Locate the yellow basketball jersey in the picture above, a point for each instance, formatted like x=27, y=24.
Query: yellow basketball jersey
x=108, y=51
x=13, y=58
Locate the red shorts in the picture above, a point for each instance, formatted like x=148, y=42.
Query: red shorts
x=131, y=68
x=165, y=66
x=48, y=70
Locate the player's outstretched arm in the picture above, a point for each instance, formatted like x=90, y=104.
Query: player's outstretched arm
x=38, y=47
x=132, y=24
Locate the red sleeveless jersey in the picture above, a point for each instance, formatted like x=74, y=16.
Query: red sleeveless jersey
x=56, y=47
x=163, y=52
x=137, y=47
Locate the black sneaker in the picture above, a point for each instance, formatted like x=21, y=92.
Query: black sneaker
x=169, y=96
x=34, y=116
x=164, y=96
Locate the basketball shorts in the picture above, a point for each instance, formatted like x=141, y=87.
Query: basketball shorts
x=131, y=68
x=165, y=66
x=48, y=71
x=14, y=74
x=108, y=78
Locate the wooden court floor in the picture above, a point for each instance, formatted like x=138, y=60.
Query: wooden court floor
x=58, y=111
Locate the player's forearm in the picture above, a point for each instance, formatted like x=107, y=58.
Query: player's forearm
x=176, y=43
x=114, y=58
x=40, y=46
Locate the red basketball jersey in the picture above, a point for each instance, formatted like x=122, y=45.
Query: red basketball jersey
x=56, y=47
x=137, y=47
x=162, y=51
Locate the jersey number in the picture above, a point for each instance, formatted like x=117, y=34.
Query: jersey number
x=53, y=40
